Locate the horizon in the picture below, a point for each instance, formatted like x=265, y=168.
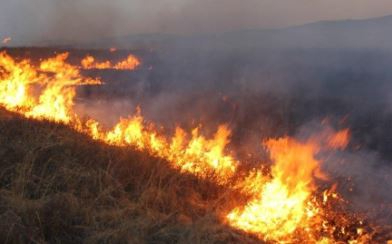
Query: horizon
x=12, y=42
x=44, y=20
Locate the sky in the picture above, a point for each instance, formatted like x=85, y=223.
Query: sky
x=35, y=20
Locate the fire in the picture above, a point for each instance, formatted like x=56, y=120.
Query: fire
x=6, y=40
x=280, y=205
x=89, y=63
x=130, y=63
x=56, y=101
x=339, y=140
x=54, y=77
x=55, y=82
x=197, y=154
x=16, y=79
x=283, y=204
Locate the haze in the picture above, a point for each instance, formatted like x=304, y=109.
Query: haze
x=34, y=21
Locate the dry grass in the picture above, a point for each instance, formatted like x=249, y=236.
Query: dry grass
x=58, y=186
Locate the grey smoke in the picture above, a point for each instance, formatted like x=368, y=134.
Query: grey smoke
x=36, y=21
x=276, y=81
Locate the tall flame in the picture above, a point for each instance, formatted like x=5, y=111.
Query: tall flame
x=282, y=205
x=16, y=79
x=54, y=77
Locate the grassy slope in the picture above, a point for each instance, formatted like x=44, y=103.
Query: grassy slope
x=58, y=186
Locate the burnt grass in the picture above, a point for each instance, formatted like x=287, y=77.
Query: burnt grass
x=59, y=186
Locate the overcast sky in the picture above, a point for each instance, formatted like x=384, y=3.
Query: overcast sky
x=35, y=20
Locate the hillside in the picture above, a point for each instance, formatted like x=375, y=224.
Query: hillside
x=58, y=186
x=78, y=180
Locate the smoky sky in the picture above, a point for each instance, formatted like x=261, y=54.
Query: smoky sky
x=32, y=21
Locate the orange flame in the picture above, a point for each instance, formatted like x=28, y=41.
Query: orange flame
x=197, y=155
x=54, y=77
x=130, y=63
x=56, y=101
x=339, y=140
x=283, y=204
x=279, y=205
x=56, y=81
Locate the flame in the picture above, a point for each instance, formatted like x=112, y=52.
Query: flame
x=130, y=63
x=89, y=63
x=283, y=204
x=280, y=204
x=54, y=77
x=198, y=154
x=56, y=102
x=55, y=82
x=339, y=140
x=16, y=79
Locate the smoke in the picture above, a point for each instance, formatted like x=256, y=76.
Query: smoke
x=259, y=94
x=364, y=181
x=361, y=175
x=262, y=84
x=38, y=22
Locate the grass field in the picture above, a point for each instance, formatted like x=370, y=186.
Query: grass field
x=58, y=186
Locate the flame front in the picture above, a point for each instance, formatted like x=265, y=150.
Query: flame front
x=280, y=204
x=54, y=77
x=197, y=154
x=55, y=81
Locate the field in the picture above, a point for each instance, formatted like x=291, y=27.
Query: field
x=58, y=186
x=184, y=150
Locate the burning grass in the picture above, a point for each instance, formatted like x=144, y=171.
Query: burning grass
x=179, y=188
x=60, y=186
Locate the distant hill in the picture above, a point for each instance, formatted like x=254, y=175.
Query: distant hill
x=368, y=33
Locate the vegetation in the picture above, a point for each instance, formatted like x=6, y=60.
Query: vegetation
x=58, y=186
